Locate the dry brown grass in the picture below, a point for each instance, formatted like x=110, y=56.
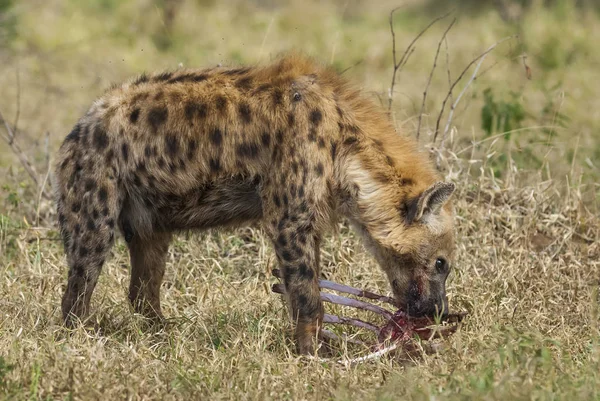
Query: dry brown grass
x=527, y=273
x=528, y=263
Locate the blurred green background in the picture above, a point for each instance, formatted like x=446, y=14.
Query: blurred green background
x=58, y=55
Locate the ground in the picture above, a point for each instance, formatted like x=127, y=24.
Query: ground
x=528, y=253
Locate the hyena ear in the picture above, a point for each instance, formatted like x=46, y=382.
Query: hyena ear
x=431, y=200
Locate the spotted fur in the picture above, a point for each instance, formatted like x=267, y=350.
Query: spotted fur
x=291, y=146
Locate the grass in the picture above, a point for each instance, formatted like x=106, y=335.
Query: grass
x=528, y=257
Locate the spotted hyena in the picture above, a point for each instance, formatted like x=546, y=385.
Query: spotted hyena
x=290, y=145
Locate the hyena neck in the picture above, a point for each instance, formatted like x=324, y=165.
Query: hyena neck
x=376, y=193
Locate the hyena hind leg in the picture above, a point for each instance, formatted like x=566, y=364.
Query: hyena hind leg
x=148, y=258
x=88, y=237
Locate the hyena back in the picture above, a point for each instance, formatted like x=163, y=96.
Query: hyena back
x=290, y=146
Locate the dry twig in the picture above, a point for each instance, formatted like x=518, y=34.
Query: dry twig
x=407, y=53
x=10, y=140
x=437, y=53
x=479, y=58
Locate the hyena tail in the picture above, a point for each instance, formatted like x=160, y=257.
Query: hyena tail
x=88, y=202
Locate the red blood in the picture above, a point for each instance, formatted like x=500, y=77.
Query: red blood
x=402, y=328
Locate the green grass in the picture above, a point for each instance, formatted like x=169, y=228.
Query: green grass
x=527, y=213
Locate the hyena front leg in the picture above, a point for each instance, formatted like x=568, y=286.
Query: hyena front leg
x=296, y=243
x=148, y=258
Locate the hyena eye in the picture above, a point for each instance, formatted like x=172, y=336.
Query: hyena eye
x=440, y=265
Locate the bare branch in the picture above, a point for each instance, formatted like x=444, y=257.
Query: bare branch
x=18, y=113
x=480, y=57
x=448, y=67
x=407, y=53
x=10, y=139
x=437, y=53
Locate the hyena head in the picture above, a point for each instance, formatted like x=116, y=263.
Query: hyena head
x=416, y=252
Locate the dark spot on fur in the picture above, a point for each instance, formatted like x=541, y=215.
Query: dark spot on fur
x=277, y=97
x=125, y=151
x=161, y=162
x=319, y=169
x=265, y=139
x=321, y=142
x=282, y=240
x=163, y=76
x=291, y=119
x=216, y=137
x=141, y=79
x=389, y=161
x=406, y=181
x=244, y=83
x=312, y=135
x=245, y=115
x=136, y=181
x=316, y=117
x=293, y=190
x=295, y=167
x=99, y=249
x=78, y=269
x=74, y=134
x=305, y=307
x=159, y=95
x=191, y=149
x=100, y=138
x=135, y=114
x=102, y=195
x=287, y=256
x=215, y=165
x=157, y=117
x=279, y=136
x=193, y=110
x=339, y=111
x=76, y=207
x=301, y=191
x=187, y=78
x=110, y=223
x=89, y=185
x=147, y=151
x=171, y=145
x=105, y=212
x=285, y=199
x=91, y=225
x=276, y=200
x=221, y=103
x=247, y=149
x=305, y=272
